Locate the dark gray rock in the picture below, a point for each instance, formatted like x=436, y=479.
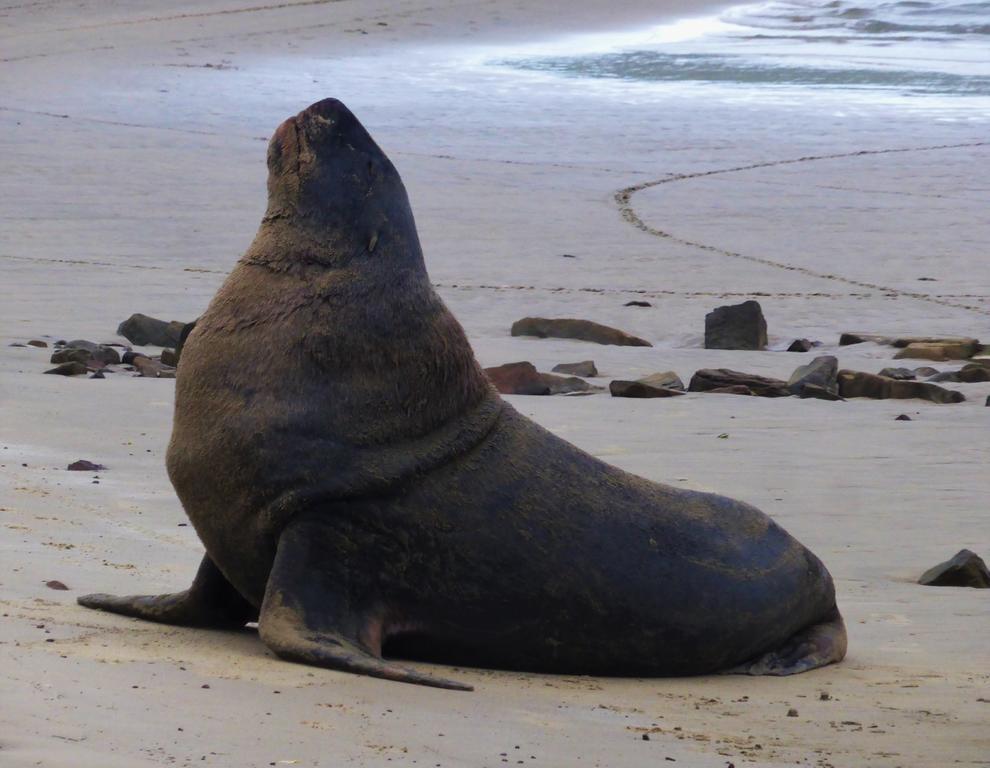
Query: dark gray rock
x=708, y=379
x=69, y=369
x=583, y=368
x=640, y=389
x=801, y=345
x=903, y=417
x=860, y=384
x=925, y=371
x=142, y=330
x=82, y=344
x=568, y=328
x=637, y=304
x=901, y=374
x=71, y=355
x=568, y=385
x=820, y=372
x=965, y=569
x=736, y=326
x=84, y=465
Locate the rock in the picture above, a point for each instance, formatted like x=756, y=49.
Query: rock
x=82, y=344
x=735, y=389
x=71, y=355
x=583, y=330
x=901, y=374
x=904, y=341
x=903, y=417
x=584, y=368
x=800, y=345
x=925, y=371
x=38, y=343
x=940, y=350
x=169, y=358
x=69, y=369
x=819, y=393
x=640, y=389
x=860, y=384
x=84, y=465
x=55, y=584
x=93, y=355
x=988, y=401
x=98, y=375
x=637, y=304
x=969, y=374
x=523, y=379
x=820, y=372
x=666, y=379
x=17, y=344
x=130, y=355
x=965, y=569
x=567, y=385
x=517, y=379
x=152, y=369
x=708, y=379
x=142, y=330
x=737, y=326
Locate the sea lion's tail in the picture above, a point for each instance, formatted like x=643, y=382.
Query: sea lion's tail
x=813, y=647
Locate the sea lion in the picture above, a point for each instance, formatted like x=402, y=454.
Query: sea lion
x=361, y=489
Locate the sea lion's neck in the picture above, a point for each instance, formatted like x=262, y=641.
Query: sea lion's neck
x=294, y=243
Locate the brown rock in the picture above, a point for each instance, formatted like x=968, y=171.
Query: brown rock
x=583, y=330
x=735, y=389
x=969, y=374
x=152, y=369
x=965, y=569
x=736, y=326
x=567, y=385
x=584, y=368
x=639, y=389
x=69, y=369
x=38, y=343
x=860, y=384
x=708, y=379
x=941, y=350
x=905, y=341
x=517, y=379
x=818, y=392
x=55, y=584
x=169, y=358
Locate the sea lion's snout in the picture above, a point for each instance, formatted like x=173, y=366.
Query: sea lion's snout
x=323, y=159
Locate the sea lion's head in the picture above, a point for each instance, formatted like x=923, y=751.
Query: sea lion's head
x=329, y=179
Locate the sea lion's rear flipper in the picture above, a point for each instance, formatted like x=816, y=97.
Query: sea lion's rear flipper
x=313, y=613
x=818, y=645
x=211, y=602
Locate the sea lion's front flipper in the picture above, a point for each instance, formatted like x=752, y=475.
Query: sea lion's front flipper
x=311, y=613
x=210, y=602
x=818, y=645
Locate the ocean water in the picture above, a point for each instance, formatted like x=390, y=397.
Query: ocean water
x=916, y=54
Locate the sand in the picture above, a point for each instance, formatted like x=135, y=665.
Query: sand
x=133, y=179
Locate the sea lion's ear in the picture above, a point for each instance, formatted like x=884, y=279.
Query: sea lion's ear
x=283, y=149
